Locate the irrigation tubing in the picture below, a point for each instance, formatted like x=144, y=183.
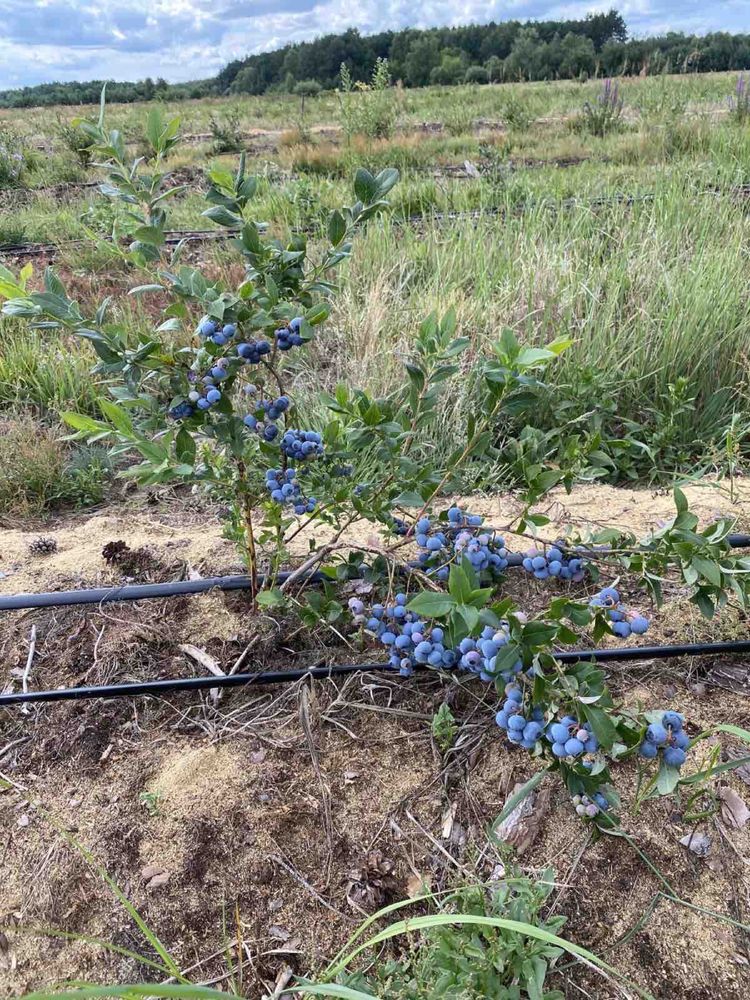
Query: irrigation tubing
x=175, y=237
x=150, y=591
x=341, y=670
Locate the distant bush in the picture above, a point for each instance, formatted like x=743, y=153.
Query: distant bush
x=515, y=113
x=476, y=74
x=367, y=108
x=458, y=120
x=604, y=115
x=226, y=131
x=74, y=139
x=307, y=88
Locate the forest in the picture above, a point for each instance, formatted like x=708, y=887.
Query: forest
x=509, y=51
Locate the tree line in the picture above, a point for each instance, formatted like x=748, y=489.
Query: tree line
x=488, y=53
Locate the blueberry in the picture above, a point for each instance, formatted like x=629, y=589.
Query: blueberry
x=656, y=734
x=672, y=719
x=574, y=747
x=674, y=757
x=639, y=625
x=559, y=732
x=517, y=722
x=648, y=750
x=558, y=749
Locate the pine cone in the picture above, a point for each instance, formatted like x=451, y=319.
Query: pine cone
x=43, y=546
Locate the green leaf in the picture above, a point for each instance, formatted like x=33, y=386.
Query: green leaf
x=150, y=234
x=175, y=992
x=601, y=725
x=223, y=217
x=83, y=423
x=185, y=446
x=707, y=568
x=271, y=598
x=680, y=500
x=365, y=186
x=118, y=417
x=431, y=605
x=336, y=228
x=667, y=779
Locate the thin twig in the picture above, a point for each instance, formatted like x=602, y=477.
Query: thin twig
x=27, y=669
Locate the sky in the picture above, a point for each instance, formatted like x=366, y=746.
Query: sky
x=48, y=40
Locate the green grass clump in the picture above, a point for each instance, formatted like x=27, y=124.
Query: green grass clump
x=43, y=373
x=39, y=472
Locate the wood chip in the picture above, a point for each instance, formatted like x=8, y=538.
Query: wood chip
x=734, y=811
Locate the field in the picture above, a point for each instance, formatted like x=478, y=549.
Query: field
x=235, y=839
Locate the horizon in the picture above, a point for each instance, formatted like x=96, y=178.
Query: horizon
x=184, y=40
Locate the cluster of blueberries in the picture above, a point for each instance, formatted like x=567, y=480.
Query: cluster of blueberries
x=252, y=351
x=288, y=337
x=524, y=728
x=588, y=808
x=408, y=638
x=267, y=412
x=624, y=621
x=209, y=329
x=441, y=545
x=554, y=562
x=479, y=656
x=285, y=489
x=570, y=738
x=300, y=445
x=412, y=641
x=669, y=737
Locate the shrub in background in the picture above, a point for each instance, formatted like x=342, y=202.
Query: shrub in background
x=367, y=108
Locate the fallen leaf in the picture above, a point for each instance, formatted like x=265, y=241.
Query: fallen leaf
x=698, y=843
x=278, y=933
x=734, y=811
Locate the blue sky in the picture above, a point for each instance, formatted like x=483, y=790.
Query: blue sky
x=45, y=40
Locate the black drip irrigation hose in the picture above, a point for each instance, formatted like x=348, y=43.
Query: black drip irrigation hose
x=147, y=591
x=341, y=670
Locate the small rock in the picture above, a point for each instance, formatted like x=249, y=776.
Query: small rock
x=350, y=777
x=23, y=820
x=275, y=905
x=698, y=843
x=257, y=756
x=157, y=881
x=278, y=933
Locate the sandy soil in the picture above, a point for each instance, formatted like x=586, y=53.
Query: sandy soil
x=278, y=816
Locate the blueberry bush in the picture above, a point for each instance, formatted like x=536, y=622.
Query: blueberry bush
x=208, y=399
